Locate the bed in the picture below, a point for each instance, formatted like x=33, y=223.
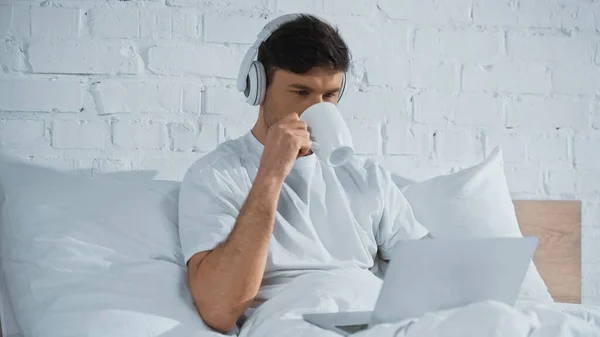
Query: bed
x=557, y=225
x=477, y=196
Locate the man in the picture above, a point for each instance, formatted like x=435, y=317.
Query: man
x=262, y=209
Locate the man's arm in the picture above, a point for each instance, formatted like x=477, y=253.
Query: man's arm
x=224, y=281
x=398, y=220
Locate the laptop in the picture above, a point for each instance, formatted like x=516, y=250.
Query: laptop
x=438, y=274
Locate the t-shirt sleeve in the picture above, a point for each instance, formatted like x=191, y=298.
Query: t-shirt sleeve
x=207, y=211
x=398, y=221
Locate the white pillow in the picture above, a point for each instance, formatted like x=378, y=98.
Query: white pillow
x=474, y=202
x=84, y=256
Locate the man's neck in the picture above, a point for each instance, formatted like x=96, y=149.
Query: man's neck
x=259, y=130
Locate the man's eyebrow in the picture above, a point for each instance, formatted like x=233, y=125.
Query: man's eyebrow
x=300, y=86
x=307, y=88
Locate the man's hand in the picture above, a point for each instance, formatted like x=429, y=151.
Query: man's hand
x=286, y=140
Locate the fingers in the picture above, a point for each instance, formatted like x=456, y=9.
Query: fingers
x=293, y=121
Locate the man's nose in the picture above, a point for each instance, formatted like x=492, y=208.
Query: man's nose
x=317, y=98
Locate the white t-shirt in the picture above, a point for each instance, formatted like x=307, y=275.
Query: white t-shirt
x=326, y=217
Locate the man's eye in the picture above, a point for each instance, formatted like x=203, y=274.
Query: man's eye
x=330, y=95
x=302, y=92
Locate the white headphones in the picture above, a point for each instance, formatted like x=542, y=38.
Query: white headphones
x=252, y=77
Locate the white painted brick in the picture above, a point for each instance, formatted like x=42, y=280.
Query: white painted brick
x=374, y=104
x=118, y=20
x=388, y=71
x=216, y=60
x=106, y=165
x=232, y=28
x=415, y=168
x=119, y=96
x=80, y=134
x=15, y=20
x=535, y=111
x=366, y=136
x=493, y=12
x=22, y=133
x=84, y=57
x=587, y=181
x=237, y=4
x=400, y=138
x=186, y=23
x=55, y=22
x=393, y=39
x=428, y=11
x=208, y=137
x=165, y=23
x=183, y=136
x=156, y=23
x=577, y=79
x=138, y=134
x=295, y=6
x=562, y=181
x=538, y=14
x=561, y=49
x=513, y=144
x=597, y=57
x=581, y=16
x=60, y=95
x=60, y=164
x=456, y=145
x=587, y=150
x=548, y=149
x=591, y=214
x=523, y=180
x=512, y=78
x=590, y=249
x=434, y=107
x=11, y=57
x=477, y=109
x=349, y=7
x=596, y=114
x=464, y=45
x=227, y=100
x=467, y=109
x=5, y=19
x=433, y=73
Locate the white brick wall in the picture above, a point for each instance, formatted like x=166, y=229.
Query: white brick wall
x=104, y=86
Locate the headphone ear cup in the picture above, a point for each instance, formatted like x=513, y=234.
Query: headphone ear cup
x=251, y=85
x=343, y=88
x=261, y=82
x=255, y=88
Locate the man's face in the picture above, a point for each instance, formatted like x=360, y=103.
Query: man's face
x=293, y=93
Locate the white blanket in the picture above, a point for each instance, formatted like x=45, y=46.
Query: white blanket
x=357, y=290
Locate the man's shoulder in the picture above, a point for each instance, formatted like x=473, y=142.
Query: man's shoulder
x=225, y=157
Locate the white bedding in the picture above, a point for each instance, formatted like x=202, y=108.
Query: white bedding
x=357, y=290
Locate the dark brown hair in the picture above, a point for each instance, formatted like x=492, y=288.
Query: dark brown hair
x=302, y=44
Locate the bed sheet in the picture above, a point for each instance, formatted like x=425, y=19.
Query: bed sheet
x=355, y=290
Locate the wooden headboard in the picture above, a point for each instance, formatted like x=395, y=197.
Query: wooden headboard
x=557, y=225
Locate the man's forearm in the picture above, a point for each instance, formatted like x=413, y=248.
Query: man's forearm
x=229, y=277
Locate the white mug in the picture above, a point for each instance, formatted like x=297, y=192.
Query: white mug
x=331, y=139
